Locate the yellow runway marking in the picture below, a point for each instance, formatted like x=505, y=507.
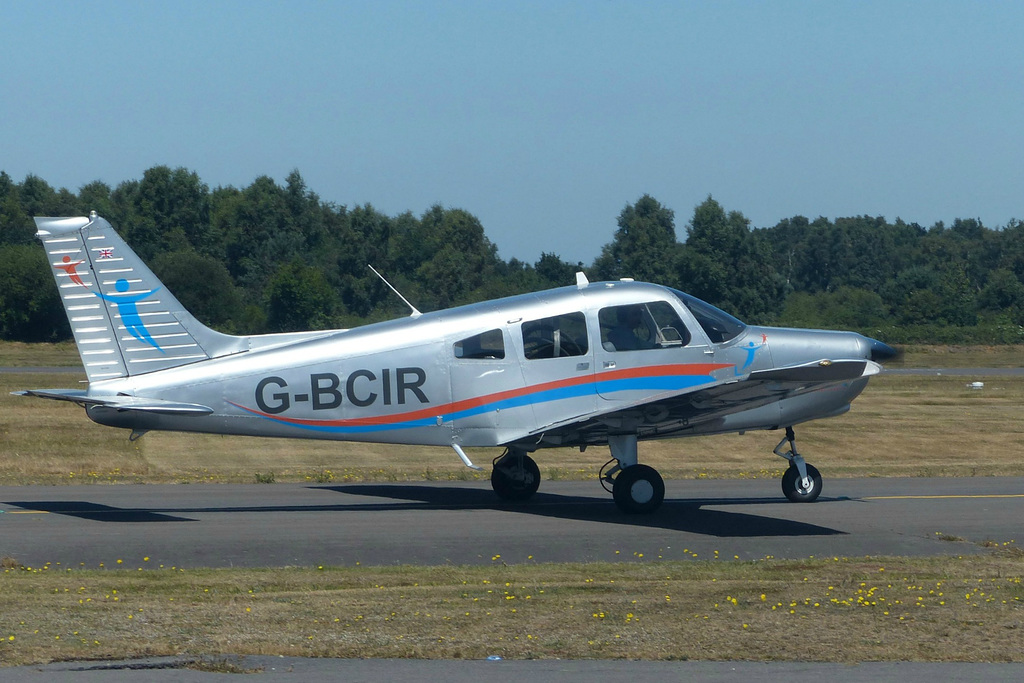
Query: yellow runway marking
x=989, y=495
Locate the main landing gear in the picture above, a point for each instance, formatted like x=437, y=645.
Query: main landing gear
x=515, y=475
x=801, y=483
x=636, y=489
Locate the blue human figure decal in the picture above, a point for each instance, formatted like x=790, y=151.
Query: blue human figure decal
x=129, y=312
x=751, y=349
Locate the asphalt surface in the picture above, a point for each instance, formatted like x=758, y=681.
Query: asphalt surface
x=272, y=669
x=217, y=525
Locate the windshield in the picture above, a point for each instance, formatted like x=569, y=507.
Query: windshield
x=717, y=324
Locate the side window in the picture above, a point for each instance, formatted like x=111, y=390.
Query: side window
x=556, y=337
x=653, y=325
x=489, y=345
x=717, y=324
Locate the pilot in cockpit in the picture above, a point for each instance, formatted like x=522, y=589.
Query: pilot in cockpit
x=631, y=331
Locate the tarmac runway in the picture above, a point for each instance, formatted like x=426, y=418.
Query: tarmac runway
x=273, y=669
x=216, y=525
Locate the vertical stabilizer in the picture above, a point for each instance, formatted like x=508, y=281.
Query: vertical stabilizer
x=124, y=320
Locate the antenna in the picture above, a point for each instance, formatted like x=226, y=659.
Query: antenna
x=415, y=312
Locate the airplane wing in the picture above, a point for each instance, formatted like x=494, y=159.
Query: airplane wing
x=672, y=412
x=117, y=402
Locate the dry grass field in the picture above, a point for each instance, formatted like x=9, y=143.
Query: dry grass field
x=21, y=355
x=900, y=426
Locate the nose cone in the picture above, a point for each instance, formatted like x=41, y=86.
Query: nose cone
x=880, y=351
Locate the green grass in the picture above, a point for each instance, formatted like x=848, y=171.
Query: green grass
x=924, y=356
x=830, y=609
x=20, y=355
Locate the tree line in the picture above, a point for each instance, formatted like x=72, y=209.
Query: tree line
x=276, y=257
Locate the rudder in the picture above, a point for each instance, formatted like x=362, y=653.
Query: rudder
x=124, y=320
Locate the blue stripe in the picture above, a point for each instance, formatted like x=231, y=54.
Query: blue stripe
x=656, y=383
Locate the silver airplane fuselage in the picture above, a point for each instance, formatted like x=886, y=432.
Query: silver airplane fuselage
x=401, y=381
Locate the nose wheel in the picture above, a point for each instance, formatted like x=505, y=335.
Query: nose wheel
x=799, y=489
x=802, y=482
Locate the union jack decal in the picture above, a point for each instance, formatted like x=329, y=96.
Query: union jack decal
x=106, y=253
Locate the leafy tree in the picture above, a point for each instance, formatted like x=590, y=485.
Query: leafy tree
x=1010, y=253
x=203, y=286
x=1003, y=293
x=96, y=196
x=307, y=214
x=458, y=256
x=168, y=210
x=920, y=306
x=299, y=262
x=260, y=234
x=30, y=308
x=299, y=298
x=727, y=265
x=957, y=296
x=644, y=247
x=38, y=198
x=16, y=226
x=555, y=272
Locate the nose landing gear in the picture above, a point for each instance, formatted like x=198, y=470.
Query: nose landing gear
x=802, y=482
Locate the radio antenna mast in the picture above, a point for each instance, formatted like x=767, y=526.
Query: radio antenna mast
x=415, y=312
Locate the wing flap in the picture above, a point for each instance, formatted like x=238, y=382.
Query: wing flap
x=819, y=372
x=678, y=410
x=117, y=402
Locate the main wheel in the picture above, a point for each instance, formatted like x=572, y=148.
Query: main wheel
x=638, y=489
x=511, y=482
x=797, y=493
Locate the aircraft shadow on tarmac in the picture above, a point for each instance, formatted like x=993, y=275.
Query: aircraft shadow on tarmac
x=96, y=512
x=676, y=515
x=689, y=515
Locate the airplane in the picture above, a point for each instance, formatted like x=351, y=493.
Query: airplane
x=589, y=364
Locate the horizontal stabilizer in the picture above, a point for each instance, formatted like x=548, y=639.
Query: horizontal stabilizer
x=147, y=405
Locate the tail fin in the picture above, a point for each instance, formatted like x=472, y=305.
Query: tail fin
x=124, y=320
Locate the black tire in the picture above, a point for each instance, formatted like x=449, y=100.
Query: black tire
x=638, y=490
x=791, y=485
x=514, y=485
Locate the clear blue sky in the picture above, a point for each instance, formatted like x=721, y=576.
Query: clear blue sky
x=544, y=119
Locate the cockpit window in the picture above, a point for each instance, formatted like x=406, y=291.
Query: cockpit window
x=652, y=325
x=717, y=324
x=556, y=337
x=487, y=345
